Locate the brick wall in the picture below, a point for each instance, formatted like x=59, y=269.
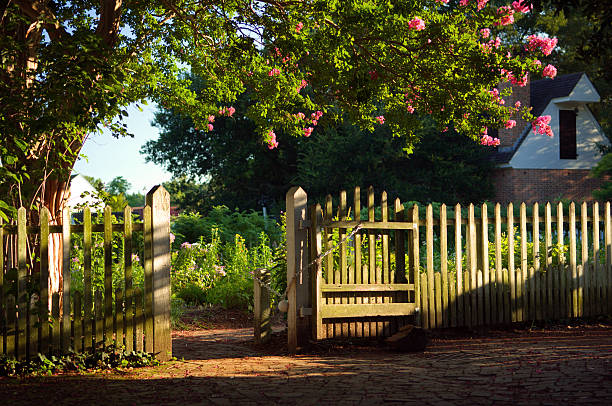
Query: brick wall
x=508, y=137
x=543, y=185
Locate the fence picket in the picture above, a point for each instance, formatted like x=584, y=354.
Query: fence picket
x=43, y=307
x=99, y=319
x=430, y=266
x=444, y=266
x=22, y=299
x=359, y=275
x=425, y=301
x=332, y=277
x=386, y=276
x=484, y=251
x=499, y=279
x=511, y=267
x=399, y=274
x=108, y=276
x=56, y=323
x=90, y=323
x=128, y=321
x=458, y=267
x=574, y=272
x=595, y=287
x=523, y=309
x=347, y=328
x=438, y=299
x=77, y=322
x=140, y=321
x=374, y=328
x=148, y=280
x=583, y=276
x=536, y=297
x=118, y=318
x=415, y=266
x=607, y=285
x=550, y=297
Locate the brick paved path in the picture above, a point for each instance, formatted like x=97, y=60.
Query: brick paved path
x=569, y=367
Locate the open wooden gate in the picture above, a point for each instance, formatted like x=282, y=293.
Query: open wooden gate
x=351, y=272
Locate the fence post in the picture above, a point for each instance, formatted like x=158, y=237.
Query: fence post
x=297, y=260
x=159, y=201
x=263, y=326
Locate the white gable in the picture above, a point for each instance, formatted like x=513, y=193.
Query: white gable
x=82, y=193
x=539, y=151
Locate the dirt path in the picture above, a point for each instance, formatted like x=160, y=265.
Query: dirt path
x=566, y=367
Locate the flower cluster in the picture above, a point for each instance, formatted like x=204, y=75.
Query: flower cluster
x=416, y=24
x=519, y=7
x=545, y=44
x=485, y=32
x=380, y=119
x=549, y=72
x=482, y=4
x=272, y=143
x=299, y=27
x=541, y=126
x=510, y=124
x=227, y=111
x=487, y=140
x=308, y=131
x=506, y=15
x=302, y=85
x=274, y=72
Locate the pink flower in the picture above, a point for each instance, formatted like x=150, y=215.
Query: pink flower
x=521, y=8
x=541, y=126
x=299, y=27
x=510, y=124
x=545, y=44
x=537, y=62
x=482, y=4
x=302, y=85
x=489, y=141
x=272, y=143
x=517, y=105
x=211, y=119
x=549, y=71
x=380, y=119
x=463, y=3
x=300, y=115
x=274, y=72
x=410, y=109
x=231, y=111
x=507, y=15
x=442, y=1
x=416, y=24
x=308, y=131
x=210, y=127
x=485, y=32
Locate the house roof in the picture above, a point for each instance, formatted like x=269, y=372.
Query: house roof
x=541, y=93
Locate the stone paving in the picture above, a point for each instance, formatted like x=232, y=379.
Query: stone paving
x=220, y=367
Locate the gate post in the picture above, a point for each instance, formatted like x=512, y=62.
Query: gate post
x=298, y=293
x=159, y=201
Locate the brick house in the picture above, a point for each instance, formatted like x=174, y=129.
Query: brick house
x=536, y=168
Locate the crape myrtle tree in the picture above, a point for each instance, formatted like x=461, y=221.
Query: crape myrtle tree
x=70, y=68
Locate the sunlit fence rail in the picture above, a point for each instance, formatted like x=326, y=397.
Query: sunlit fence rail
x=106, y=294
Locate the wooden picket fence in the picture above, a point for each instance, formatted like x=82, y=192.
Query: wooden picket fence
x=122, y=315
x=575, y=281
x=457, y=271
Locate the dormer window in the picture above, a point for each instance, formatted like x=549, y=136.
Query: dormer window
x=567, y=134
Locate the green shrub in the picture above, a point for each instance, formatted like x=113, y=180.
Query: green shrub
x=249, y=225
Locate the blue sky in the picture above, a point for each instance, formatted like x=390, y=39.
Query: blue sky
x=108, y=157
